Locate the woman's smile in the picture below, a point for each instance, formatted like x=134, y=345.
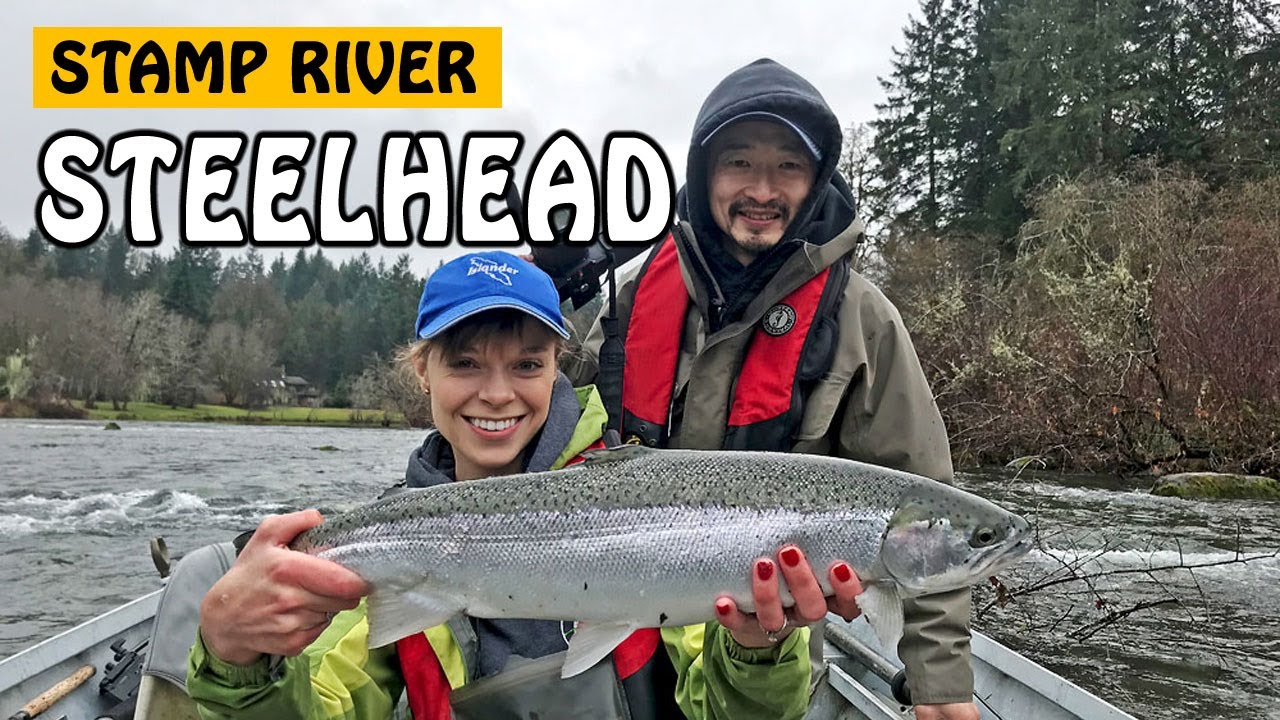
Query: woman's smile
x=496, y=429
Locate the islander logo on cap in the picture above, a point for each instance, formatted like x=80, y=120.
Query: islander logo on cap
x=499, y=271
x=483, y=281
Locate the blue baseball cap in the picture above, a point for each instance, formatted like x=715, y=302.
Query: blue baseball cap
x=484, y=281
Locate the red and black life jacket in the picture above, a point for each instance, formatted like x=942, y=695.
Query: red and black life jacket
x=640, y=668
x=636, y=661
x=790, y=348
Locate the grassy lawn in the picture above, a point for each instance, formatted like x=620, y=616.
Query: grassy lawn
x=141, y=411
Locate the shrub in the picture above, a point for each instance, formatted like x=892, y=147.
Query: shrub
x=1138, y=325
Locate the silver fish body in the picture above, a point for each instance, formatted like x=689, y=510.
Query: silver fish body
x=637, y=538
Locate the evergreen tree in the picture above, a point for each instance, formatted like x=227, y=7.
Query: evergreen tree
x=115, y=275
x=325, y=276
x=252, y=304
x=985, y=199
x=1239, y=50
x=77, y=262
x=279, y=274
x=1076, y=72
x=916, y=128
x=191, y=282
x=253, y=263
x=12, y=258
x=35, y=247
x=356, y=277
x=1172, y=126
x=309, y=348
x=299, y=279
x=398, y=305
x=232, y=272
x=153, y=273
x=1254, y=135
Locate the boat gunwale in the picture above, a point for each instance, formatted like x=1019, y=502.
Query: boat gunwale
x=1042, y=681
x=84, y=637
x=993, y=660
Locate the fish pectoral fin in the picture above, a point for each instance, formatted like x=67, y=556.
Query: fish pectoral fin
x=397, y=614
x=591, y=643
x=882, y=607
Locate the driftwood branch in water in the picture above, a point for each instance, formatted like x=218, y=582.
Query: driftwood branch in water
x=1072, y=571
x=1088, y=631
x=1005, y=594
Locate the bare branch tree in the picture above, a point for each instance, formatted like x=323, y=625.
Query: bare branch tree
x=236, y=360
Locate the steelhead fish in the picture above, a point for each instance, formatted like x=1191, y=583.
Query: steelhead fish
x=635, y=538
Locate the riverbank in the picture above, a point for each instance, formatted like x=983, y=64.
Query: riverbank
x=152, y=412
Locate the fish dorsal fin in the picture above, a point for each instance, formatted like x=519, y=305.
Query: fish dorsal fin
x=615, y=454
x=591, y=643
x=396, y=614
x=882, y=607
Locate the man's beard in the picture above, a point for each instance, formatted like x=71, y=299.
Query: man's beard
x=755, y=243
x=778, y=206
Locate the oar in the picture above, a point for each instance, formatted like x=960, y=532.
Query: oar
x=54, y=694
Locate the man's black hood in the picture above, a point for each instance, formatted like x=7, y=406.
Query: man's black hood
x=765, y=86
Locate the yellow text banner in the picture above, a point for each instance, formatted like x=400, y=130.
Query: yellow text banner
x=267, y=67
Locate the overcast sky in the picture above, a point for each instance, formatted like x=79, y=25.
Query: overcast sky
x=591, y=68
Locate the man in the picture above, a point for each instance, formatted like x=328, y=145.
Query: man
x=747, y=329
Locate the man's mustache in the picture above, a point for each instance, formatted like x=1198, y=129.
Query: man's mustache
x=778, y=206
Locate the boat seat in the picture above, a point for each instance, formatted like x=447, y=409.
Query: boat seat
x=160, y=700
x=162, y=694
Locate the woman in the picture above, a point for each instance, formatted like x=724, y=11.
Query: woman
x=283, y=634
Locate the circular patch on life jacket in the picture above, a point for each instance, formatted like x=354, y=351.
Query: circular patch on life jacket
x=779, y=320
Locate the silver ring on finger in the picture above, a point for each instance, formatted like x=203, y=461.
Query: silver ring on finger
x=772, y=635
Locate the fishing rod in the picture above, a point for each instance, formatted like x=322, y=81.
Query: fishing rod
x=60, y=690
x=576, y=269
x=893, y=676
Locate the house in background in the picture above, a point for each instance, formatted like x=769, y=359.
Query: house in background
x=292, y=390
x=301, y=391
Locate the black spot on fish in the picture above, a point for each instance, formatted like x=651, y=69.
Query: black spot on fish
x=511, y=597
x=662, y=618
x=584, y=586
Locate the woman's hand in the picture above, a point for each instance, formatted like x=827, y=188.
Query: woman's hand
x=273, y=600
x=771, y=622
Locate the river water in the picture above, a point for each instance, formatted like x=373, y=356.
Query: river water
x=79, y=504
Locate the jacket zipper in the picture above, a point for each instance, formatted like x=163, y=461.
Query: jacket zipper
x=717, y=302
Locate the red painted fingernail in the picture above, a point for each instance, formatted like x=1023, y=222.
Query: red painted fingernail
x=842, y=573
x=790, y=557
x=722, y=607
x=764, y=569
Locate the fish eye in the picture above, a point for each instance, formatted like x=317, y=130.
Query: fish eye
x=983, y=537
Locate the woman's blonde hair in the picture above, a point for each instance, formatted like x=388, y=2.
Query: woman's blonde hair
x=478, y=330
